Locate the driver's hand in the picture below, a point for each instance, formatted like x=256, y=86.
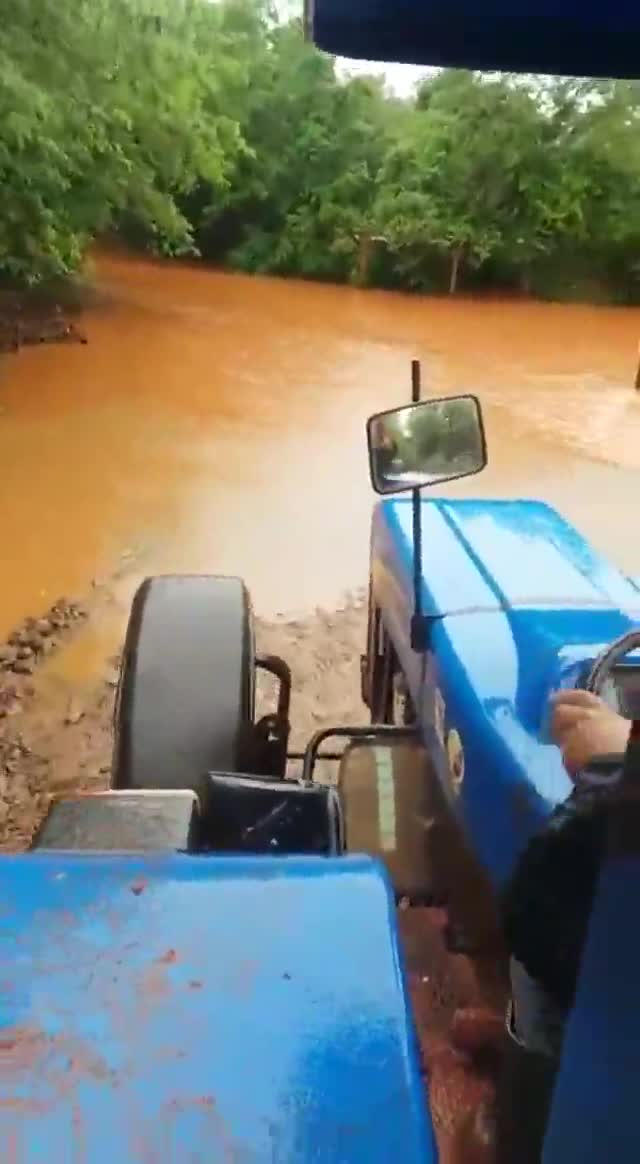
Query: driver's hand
x=583, y=727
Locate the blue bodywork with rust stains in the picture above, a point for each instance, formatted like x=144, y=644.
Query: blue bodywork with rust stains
x=205, y=1009
x=519, y=603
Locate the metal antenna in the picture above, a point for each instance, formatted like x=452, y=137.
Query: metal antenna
x=419, y=630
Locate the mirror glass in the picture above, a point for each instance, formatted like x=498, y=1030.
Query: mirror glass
x=426, y=443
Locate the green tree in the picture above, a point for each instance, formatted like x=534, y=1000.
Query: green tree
x=471, y=179
x=598, y=131
x=213, y=128
x=105, y=111
x=302, y=192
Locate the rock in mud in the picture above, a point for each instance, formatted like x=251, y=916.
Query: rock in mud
x=475, y=1140
x=24, y=666
x=74, y=713
x=35, y=638
x=474, y=1030
x=8, y=656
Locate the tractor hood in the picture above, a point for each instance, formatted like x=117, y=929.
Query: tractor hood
x=586, y=39
x=484, y=556
x=519, y=605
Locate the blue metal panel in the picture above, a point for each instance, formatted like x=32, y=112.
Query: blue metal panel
x=572, y=37
x=519, y=598
x=494, y=555
x=594, y=1116
x=180, y=1009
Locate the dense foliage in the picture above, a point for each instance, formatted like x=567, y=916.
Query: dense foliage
x=212, y=128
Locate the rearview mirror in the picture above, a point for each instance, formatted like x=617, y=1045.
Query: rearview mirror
x=426, y=443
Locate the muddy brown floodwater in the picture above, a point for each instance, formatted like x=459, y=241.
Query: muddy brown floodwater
x=216, y=423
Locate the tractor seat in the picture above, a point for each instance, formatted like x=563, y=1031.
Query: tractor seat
x=247, y=814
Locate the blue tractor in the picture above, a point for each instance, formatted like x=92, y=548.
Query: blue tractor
x=204, y=963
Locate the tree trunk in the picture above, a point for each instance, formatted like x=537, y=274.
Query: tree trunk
x=365, y=250
x=456, y=261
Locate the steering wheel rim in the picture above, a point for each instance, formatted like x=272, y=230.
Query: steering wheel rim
x=607, y=659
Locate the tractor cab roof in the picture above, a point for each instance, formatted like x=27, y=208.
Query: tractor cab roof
x=587, y=38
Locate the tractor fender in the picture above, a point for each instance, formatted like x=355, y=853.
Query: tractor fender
x=186, y=697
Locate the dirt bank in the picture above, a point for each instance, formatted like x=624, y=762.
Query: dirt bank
x=54, y=741
x=36, y=319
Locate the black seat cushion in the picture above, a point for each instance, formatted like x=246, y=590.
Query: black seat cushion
x=247, y=814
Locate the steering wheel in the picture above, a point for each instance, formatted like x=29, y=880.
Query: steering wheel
x=607, y=659
x=600, y=771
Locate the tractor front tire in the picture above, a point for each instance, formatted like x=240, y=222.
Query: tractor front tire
x=186, y=698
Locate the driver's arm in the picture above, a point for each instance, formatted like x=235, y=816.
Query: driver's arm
x=583, y=726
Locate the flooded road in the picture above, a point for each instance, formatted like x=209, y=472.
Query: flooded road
x=216, y=422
